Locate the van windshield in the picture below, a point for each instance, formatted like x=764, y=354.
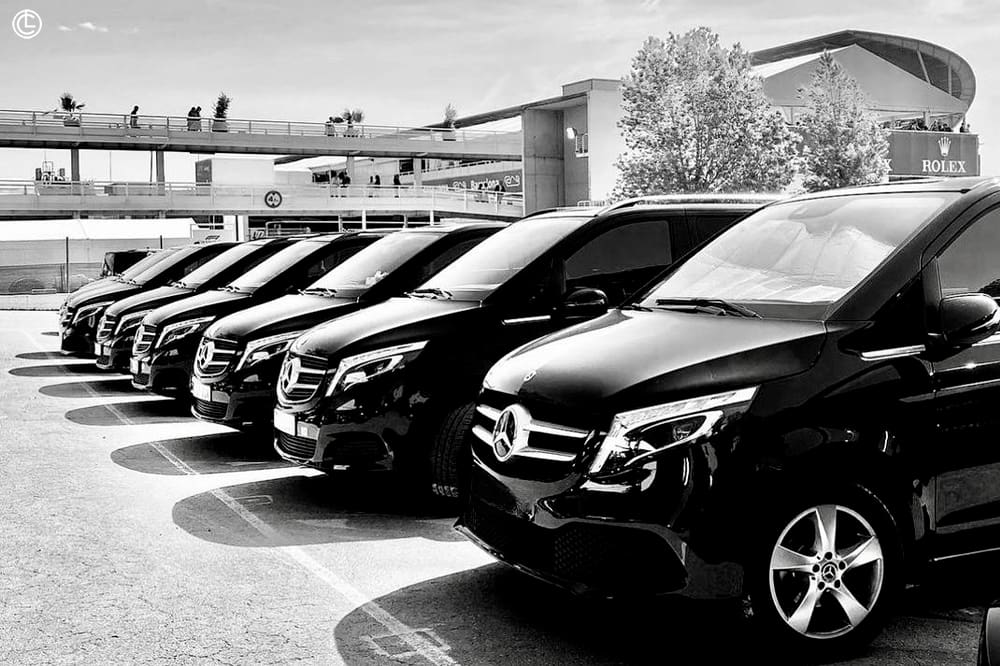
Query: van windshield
x=146, y=262
x=275, y=265
x=367, y=267
x=808, y=252
x=160, y=267
x=478, y=272
x=210, y=269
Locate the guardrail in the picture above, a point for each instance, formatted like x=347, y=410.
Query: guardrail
x=108, y=195
x=143, y=125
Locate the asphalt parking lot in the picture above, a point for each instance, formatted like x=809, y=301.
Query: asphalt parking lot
x=131, y=533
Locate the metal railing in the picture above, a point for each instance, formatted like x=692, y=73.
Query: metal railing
x=150, y=126
x=234, y=196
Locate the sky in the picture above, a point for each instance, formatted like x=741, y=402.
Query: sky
x=403, y=61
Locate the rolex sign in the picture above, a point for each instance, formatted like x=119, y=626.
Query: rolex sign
x=933, y=154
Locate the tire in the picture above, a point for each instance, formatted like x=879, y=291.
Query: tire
x=450, y=455
x=805, y=610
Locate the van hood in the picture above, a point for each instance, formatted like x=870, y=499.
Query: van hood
x=113, y=291
x=147, y=300
x=631, y=359
x=295, y=312
x=395, y=321
x=207, y=304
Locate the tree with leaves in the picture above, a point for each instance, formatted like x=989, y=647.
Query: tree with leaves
x=696, y=120
x=843, y=141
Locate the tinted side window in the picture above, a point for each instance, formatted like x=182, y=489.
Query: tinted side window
x=321, y=264
x=704, y=226
x=621, y=259
x=449, y=255
x=972, y=262
x=197, y=263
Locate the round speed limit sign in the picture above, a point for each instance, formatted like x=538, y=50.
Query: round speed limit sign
x=272, y=199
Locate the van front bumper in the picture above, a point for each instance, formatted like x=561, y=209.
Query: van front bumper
x=587, y=543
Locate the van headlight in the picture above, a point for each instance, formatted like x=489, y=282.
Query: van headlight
x=182, y=329
x=265, y=348
x=364, y=367
x=637, y=436
x=130, y=321
x=91, y=310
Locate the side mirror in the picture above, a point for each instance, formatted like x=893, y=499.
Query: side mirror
x=583, y=303
x=965, y=319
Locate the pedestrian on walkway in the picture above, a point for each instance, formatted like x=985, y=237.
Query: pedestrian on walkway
x=396, y=183
x=133, y=119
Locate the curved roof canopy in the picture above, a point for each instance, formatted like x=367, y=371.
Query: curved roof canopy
x=941, y=68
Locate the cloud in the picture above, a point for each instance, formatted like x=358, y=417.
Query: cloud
x=65, y=28
x=93, y=27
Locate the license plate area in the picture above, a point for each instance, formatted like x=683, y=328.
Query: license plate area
x=284, y=422
x=201, y=391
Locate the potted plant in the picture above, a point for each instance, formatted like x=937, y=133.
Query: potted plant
x=70, y=108
x=221, y=111
x=331, y=125
x=450, y=114
x=353, y=116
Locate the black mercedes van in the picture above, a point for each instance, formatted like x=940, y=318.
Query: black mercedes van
x=239, y=355
x=395, y=384
x=83, y=309
x=165, y=344
x=117, y=327
x=803, y=411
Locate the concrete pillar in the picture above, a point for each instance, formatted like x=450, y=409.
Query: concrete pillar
x=544, y=172
x=418, y=174
x=242, y=227
x=161, y=173
x=74, y=165
x=364, y=219
x=350, y=169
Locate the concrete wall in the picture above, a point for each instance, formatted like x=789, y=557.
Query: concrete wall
x=604, y=110
x=544, y=182
x=576, y=171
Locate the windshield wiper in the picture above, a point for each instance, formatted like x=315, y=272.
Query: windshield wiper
x=635, y=306
x=430, y=292
x=231, y=289
x=723, y=307
x=322, y=291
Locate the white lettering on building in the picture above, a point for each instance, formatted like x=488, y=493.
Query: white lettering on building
x=944, y=166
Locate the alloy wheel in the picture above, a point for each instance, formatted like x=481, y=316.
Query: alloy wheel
x=826, y=571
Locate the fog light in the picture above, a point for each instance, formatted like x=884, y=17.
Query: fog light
x=307, y=430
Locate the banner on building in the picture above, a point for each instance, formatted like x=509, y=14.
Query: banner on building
x=933, y=154
x=511, y=181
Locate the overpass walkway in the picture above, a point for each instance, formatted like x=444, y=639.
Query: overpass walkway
x=68, y=199
x=98, y=131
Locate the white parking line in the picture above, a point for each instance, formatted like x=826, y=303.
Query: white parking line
x=418, y=644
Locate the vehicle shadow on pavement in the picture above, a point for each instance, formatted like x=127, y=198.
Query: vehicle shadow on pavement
x=58, y=370
x=143, y=412
x=44, y=356
x=205, y=454
x=101, y=388
x=523, y=621
x=495, y=615
x=311, y=510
